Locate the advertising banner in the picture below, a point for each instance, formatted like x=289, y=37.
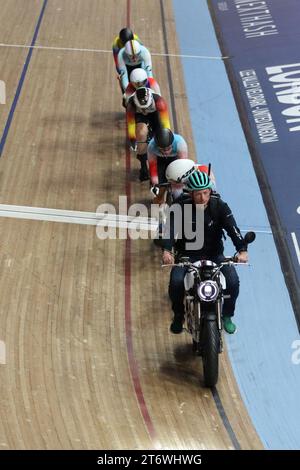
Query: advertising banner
x=262, y=42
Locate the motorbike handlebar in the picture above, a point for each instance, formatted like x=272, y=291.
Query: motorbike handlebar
x=189, y=264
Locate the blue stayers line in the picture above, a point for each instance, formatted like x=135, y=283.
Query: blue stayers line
x=21, y=81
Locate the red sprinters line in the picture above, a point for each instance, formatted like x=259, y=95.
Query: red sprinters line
x=128, y=323
x=134, y=371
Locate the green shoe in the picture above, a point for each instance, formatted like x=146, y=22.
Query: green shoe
x=229, y=326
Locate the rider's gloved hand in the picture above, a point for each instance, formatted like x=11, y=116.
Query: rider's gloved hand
x=133, y=145
x=154, y=189
x=124, y=101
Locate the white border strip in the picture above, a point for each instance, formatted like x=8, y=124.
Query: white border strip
x=98, y=51
x=2, y=353
x=77, y=217
x=92, y=218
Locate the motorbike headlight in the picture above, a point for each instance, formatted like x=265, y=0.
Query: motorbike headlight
x=208, y=291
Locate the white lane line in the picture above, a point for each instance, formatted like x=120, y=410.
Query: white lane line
x=2, y=353
x=2, y=92
x=77, y=217
x=296, y=245
x=108, y=51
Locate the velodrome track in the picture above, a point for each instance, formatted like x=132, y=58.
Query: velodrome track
x=89, y=362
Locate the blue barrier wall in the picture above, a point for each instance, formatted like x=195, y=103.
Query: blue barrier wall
x=262, y=39
x=261, y=352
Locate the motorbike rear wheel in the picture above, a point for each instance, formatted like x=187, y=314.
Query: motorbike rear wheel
x=210, y=353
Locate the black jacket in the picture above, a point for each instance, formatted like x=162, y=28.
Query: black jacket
x=217, y=216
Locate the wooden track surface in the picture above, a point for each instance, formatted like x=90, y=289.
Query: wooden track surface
x=90, y=366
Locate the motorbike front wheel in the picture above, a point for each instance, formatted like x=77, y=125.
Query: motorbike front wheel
x=210, y=353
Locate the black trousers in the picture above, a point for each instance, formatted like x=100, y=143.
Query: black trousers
x=176, y=288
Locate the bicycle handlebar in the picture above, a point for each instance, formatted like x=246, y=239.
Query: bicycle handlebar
x=162, y=185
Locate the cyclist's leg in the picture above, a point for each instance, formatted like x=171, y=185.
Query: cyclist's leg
x=161, y=172
x=141, y=134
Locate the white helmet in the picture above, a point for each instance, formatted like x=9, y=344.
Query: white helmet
x=179, y=170
x=133, y=50
x=143, y=98
x=138, y=77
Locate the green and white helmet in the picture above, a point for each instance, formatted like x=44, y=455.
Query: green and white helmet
x=198, y=181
